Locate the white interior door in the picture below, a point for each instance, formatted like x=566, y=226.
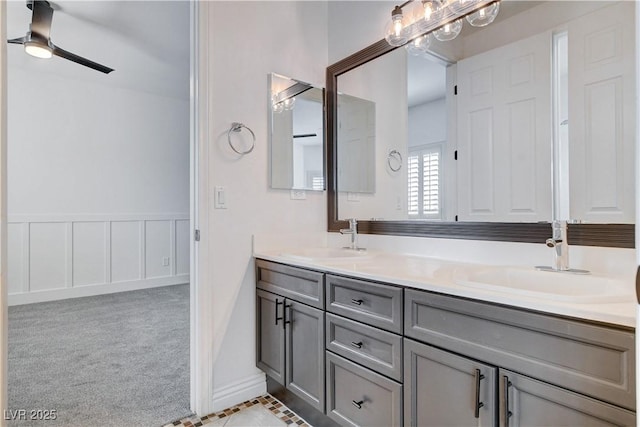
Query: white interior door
x=602, y=115
x=504, y=133
x=356, y=150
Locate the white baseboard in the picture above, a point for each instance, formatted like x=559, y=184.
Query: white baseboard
x=92, y=290
x=240, y=391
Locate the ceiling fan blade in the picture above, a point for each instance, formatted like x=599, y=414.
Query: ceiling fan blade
x=80, y=60
x=41, y=19
x=19, y=40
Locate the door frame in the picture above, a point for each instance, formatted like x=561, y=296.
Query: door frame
x=201, y=330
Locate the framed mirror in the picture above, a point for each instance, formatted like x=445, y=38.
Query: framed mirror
x=499, y=135
x=296, y=134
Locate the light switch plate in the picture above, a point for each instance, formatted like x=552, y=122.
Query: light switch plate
x=220, y=197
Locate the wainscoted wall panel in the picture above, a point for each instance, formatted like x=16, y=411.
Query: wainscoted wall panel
x=89, y=248
x=80, y=255
x=182, y=247
x=125, y=251
x=17, y=258
x=47, y=256
x=158, y=248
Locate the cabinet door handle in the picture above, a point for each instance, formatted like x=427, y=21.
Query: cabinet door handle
x=356, y=301
x=356, y=344
x=285, y=313
x=278, y=303
x=357, y=404
x=507, y=412
x=479, y=377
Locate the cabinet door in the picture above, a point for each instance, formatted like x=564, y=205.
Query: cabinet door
x=270, y=334
x=443, y=389
x=305, y=352
x=528, y=402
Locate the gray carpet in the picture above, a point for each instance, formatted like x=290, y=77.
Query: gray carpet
x=110, y=360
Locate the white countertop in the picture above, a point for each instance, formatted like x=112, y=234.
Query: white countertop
x=437, y=275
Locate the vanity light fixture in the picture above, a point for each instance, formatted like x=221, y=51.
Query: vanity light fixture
x=442, y=17
x=396, y=32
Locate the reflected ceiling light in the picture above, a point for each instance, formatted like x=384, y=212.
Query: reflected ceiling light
x=484, y=16
x=419, y=46
x=396, y=34
x=442, y=17
x=448, y=31
x=285, y=105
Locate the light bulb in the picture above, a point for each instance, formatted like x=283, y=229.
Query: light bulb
x=427, y=14
x=289, y=103
x=484, y=16
x=38, y=50
x=428, y=10
x=419, y=46
x=449, y=31
x=395, y=33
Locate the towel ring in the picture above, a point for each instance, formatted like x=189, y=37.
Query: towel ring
x=394, y=155
x=237, y=127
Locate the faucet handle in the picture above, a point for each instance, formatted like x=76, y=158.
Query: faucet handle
x=353, y=223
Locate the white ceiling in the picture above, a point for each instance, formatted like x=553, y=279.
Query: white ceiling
x=147, y=42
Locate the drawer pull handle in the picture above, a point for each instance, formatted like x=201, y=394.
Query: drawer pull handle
x=278, y=303
x=356, y=344
x=357, y=301
x=507, y=412
x=479, y=377
x=285, y=314
x=357, y=404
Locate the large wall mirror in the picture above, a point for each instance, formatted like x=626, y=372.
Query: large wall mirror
x=500, y=131
x=296, y=130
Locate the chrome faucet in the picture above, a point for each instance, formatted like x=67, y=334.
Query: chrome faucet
x=558, y=242
x=353, y=231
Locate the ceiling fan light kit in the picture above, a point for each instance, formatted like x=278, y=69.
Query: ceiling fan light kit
x=38, y=43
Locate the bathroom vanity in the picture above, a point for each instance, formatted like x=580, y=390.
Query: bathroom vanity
x=368, y=349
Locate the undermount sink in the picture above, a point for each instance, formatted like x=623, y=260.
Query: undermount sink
x=326, y=254
x=547, y=285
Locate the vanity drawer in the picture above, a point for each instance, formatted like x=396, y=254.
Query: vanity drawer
x=305, y=286
x=359, y=397
x=372, y=303
x=592, y=359
x=376, y=349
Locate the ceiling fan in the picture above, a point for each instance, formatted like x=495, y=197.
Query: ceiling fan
x=38, y=43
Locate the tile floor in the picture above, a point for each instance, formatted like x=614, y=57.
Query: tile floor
x=263, y=411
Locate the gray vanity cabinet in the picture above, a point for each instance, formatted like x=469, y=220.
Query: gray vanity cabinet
x=360, y=397
x=270, y=345
x=444, y=389
x=552, y=371
x=527, y=402
x=290, y=333
x=305, y=352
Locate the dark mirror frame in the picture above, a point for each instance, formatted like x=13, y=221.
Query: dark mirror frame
x=608, y=235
